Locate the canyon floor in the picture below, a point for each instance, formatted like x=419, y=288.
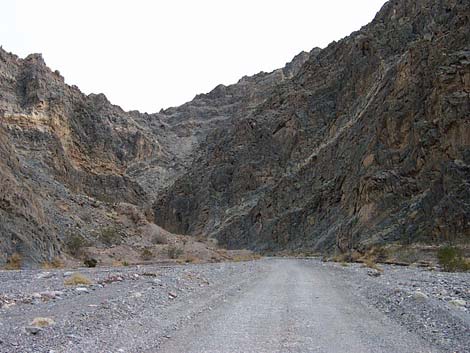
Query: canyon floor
x=269, y=305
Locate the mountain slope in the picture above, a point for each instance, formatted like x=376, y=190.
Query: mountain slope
x=72, y=164
x=368, y=144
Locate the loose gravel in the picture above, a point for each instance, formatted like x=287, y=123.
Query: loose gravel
x=149, y=308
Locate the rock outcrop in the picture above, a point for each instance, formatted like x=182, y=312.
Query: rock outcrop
x=364, y=142
x=69, y=161
x=369, y=143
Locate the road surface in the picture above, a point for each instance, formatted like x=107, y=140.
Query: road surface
x=297, y=308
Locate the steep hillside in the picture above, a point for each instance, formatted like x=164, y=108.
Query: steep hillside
x=76, y=165
x=368, y=144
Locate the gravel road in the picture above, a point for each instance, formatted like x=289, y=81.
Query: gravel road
x=272, y=305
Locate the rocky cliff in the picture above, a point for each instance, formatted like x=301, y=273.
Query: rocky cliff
x=369, y=143
x=71, y=164
x=364, y=142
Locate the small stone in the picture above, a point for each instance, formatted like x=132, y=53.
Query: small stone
x=68, y=274
x=172, y=295
x=44, y=275
x=458, y=302
x=51, y=294
x=33, y=330
x=419, y=296
x=82, y=290
x=373, y=273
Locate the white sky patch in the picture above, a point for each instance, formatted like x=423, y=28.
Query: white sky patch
x=148, y=55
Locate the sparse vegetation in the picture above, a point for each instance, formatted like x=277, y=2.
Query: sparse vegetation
x=191, y=259
x=146, y=254
x=14, y=262
x=75, y=244
x=110, y=236
x=371, y=264
x=246, y=257
x=175, y=252
x=451, y=259
x=90, y=262
x=77, y=279
x=42, y=322
x=54, y=263
x=159, y=239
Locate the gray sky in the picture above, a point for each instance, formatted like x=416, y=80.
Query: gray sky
x=148, y=55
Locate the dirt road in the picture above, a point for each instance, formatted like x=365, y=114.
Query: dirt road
x=272, y=305
x=294, y=308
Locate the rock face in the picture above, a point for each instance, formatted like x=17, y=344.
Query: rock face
x=368, y=143
x=364, y=142
x=71, y=163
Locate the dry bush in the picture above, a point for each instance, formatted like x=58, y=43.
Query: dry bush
x=246, y=257
x=340, y=258
x=451, y=259
x=90, y=262
x=175, y=252
x=372, y=264
x=110, y=236
x=159, y=239
x=191, y=259
x=77, y=279
x=201, y=238
x=75, y=244
x=13, y=262
x=42, y=322
x=54, y=263
x=146, y=254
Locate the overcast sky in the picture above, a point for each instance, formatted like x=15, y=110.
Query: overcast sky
x=152, y=54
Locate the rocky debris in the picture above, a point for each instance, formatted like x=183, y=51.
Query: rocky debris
x=458, y=302
x=34, y=330
x=140, y=301
x=417, y=298
x=373, y=273
x=49, y=294
x=141, y=310
x=82, y=290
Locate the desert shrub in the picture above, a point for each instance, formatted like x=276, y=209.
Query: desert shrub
x=125, y=263
x=191, y=259
x=343, y=257
x=368, y=262
x=451, y=259
x=77, y=279
x=42, y=322
x=146, y=254
x=110, y=236
x=54, y=263
x=13, y=262
x=159, y=239
x=174, y=252
x=246, y=257
x=377, y=254
x=90, y=262
x=75, y=244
